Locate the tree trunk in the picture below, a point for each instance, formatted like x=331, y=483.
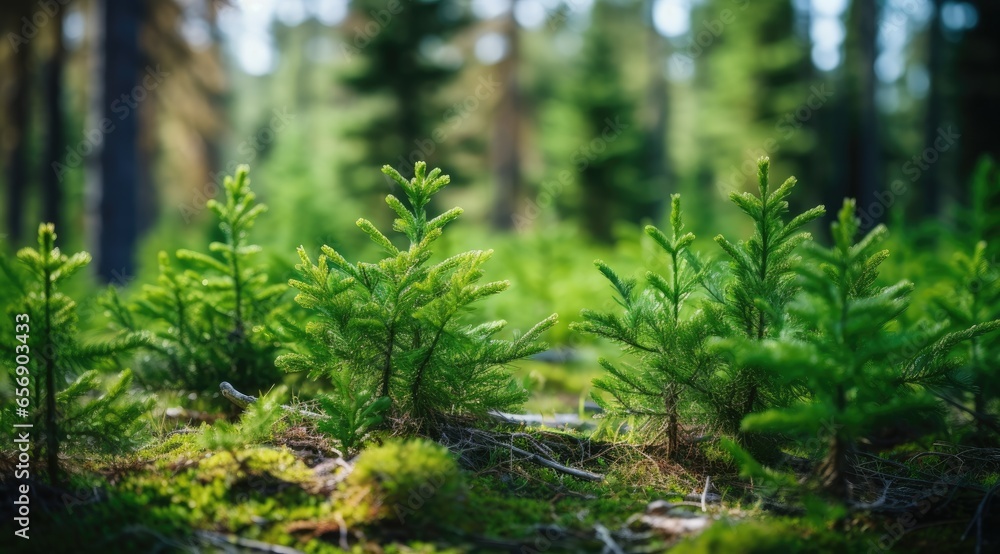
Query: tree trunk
x=931, y=185
x=54, y=135
x=863, y=141
x=506, y=134
x=17, y=130
x=117, y=202
x=833, y=470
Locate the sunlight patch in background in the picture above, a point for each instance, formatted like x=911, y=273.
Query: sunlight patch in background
x=74, y=26
x=672, y=18
x=827, y=33
x=488, y=9
x=959, y=16
x=291, y=12
x=246, y=26
x=441, y=53
x=491, y=48
x=329, y=12
x=530, y=14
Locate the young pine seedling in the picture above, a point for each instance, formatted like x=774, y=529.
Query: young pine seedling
x=849, y=351
x=68, y=400
x=972, y=298
x=212, y=314
x=666, y=343
x=753, y=302
x=400, y=328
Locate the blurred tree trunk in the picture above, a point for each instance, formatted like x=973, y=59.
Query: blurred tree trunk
x=657, y=114
x=217, y=99
x=54, y=133
x=931, y=185
x=507, y=133
x=17, y=130
x=117, y=198
x=862, y=137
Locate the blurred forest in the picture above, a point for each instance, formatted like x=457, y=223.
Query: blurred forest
x=684, y=363
x=572, y=119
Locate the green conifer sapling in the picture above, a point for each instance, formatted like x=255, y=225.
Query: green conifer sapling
x=399, y=328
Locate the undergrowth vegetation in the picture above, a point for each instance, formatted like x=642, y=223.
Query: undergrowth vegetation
x=214, y=316
x=766, y=394
x=399, y=328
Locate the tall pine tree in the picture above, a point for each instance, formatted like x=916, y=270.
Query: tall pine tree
x=387, y=45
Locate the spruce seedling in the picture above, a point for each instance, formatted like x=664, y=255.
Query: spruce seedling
x=667, y=344
x=761, y=283
x=850, y=352
x=974, y=298
x=350, y=414
x=399, y=328
x=68, y=402
x=213, y=314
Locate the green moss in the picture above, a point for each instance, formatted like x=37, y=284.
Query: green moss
x=515, y=506
x=767, y=536
x=413, y=481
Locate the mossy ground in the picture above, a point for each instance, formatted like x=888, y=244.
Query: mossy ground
x=178, y=495
x=165, y=497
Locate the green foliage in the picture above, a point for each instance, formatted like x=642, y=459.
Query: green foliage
x=972, y=297
x=985, y=220
x=350, y=413
x=213, y=314
x=66, y=396
x=397, y=327
x=675, y=366
x=762, y=267
x=256, y=425
x=752, y=303
x=414, y=480
x=766, y=537
x=667, y=342
x=849, y=351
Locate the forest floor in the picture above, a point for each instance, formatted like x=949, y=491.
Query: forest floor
x=291, y=493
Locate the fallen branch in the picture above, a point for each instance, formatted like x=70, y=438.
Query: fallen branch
x=244, y=400
x=485, y=439
x=704, y=493
x=552, y=464
x=218, y=539
x=603, y=535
